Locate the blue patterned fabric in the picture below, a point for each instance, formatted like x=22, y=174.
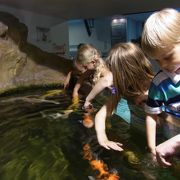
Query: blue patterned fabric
x=123, y=110
x=164, y=94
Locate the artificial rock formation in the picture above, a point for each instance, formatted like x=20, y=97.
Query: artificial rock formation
x=23, y=64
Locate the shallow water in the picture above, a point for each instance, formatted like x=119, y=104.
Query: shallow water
x=42, y=138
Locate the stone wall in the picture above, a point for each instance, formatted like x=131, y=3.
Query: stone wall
x=23, y=64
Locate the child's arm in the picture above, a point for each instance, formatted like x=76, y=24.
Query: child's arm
x=100, y=119
x=104, y=82
x=67, y=79
x=82, y=78
x=78, y=86
x=167, y=149
x=151, y=132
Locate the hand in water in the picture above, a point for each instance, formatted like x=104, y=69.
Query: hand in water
x=166, y=150
x=87, y=105
x=111, y=145
x=163, y=160
x=152, y=155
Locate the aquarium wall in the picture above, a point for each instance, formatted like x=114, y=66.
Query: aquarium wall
x=33, y=20
x=100, y=34
x=62, y=37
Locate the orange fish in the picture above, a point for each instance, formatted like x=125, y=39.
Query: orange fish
x=88, y=120
x=113, y=176
x=87, y=152
x=100, y=166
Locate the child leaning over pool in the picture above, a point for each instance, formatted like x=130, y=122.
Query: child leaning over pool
x=132, y=73
x=161, y=41
x=74, y=74
x=89, y=61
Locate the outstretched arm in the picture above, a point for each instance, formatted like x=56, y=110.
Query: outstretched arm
x=100, y=119
x=81, y=79
x=151, y=132
x=67, y=79
x=168, y=149
x=78, y=86
x=104, y=82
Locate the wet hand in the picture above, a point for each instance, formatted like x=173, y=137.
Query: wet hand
x=166, y=150
x=111, y=145
x=152, y=154
x=153, y=157
x=163, y=153
x=87, y=105
x=162, y=159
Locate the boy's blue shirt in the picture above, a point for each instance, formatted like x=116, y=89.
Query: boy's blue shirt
x=164, y=94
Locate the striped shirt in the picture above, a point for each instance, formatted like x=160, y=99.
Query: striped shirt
x=164, y=94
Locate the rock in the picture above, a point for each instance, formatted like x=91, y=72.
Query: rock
x=23, y=64
x=3, y=29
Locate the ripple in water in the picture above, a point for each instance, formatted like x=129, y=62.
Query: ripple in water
x=42, y=137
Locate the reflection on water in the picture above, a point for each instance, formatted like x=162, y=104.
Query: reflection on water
x=42, y=137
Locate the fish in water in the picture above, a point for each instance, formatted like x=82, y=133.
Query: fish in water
x=132, y=159
x=75, y=103
x=88, y=120
x=98, y=165
x=32, y=100
x=53, y=93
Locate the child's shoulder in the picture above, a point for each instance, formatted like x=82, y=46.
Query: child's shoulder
x=159, y=77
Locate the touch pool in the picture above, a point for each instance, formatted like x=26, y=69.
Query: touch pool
x=42, y=138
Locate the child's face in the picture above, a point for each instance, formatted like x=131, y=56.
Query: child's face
x=79, y=67
x=169, y=60
x=83, y=68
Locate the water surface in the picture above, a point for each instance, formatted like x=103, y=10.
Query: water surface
x=42, y=138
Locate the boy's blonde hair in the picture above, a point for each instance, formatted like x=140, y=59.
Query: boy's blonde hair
x=132, y=72
x=161, y=31
x=86, y=54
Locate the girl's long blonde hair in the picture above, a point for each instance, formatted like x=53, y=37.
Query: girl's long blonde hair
x=132, y=72
x=86, y=54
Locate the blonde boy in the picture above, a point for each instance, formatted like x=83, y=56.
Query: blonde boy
x=161, y=41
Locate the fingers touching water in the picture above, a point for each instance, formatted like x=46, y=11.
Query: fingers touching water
x=112, y=145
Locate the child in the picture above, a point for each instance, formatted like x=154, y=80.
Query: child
x=71, y=78
x=132, y=74
x=89, y=61
x=161, y=41
x=74, y=74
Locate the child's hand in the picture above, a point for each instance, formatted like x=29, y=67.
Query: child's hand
x=162, y=159
x=153, y=157
x=168, y=149
x=111, y=145
x=152, y=154
x=87, y=105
